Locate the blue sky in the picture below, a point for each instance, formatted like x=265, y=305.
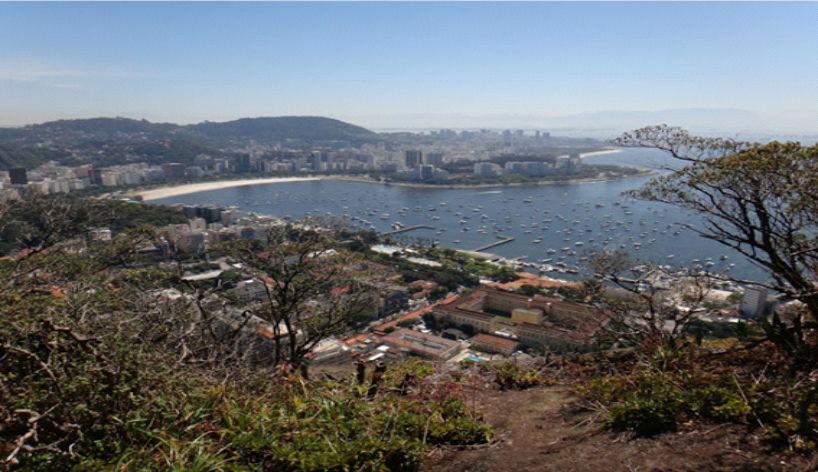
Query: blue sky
x=378, y=63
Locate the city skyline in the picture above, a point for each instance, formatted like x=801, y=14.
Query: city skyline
x=412, y=65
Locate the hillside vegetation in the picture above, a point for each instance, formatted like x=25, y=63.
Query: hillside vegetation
x=111, y=360
x=101, y=370
x=295, y=128
x=117, y=141
x=11, y=156
x=262, y=130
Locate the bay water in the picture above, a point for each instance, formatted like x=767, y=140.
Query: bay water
x=554, y=223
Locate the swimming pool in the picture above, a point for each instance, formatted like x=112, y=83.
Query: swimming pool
x=387, y=249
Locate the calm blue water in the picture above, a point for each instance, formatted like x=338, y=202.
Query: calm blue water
x=543, y=220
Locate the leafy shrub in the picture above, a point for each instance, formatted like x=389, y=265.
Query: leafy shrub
x=657, y=395
x=510, y=375
x=716, y=403
x=646, y=415
x=720, y=382
x=419, y=368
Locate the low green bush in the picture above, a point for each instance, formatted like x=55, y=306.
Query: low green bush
x=287, y=424
x=718, y=383
x=510, y=375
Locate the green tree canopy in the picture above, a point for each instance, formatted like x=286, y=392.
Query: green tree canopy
x=757, y=199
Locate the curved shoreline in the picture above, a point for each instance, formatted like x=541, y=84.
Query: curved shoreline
x=173, y=191
x=533, y=183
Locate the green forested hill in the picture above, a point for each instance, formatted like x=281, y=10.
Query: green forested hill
x=301, y=128
x=265, y=129
x=100, y=128
x=113, y=141
x=29, y=158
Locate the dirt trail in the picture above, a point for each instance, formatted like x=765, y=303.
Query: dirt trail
x=538, y=431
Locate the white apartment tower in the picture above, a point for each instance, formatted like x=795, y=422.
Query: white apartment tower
x=753, y=301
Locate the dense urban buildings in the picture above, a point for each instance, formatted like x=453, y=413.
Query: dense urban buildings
x=403, y=156
x=534, y=321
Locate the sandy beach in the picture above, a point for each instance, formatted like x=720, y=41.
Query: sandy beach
x=598, y=153
x=156, y=194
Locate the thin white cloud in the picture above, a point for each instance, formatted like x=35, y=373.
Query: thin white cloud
x=38, y=71
x=66, y=85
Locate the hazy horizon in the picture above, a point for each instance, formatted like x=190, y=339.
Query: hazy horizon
x=602, y=125
x=729, y=67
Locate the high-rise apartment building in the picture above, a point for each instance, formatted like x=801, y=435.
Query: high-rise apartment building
x=18, y=176
x=414, y=159
x=434, y=159
x=754, y=300
x=174, y=170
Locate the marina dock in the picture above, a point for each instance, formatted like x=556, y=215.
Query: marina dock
x=495, y=243
x=410, y=228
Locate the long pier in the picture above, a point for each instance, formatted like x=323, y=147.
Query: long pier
x=495, y=243
x=410, y=228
